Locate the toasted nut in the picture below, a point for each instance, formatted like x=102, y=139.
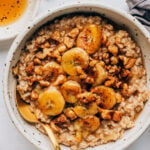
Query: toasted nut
x=60, y=80
x=45, y=45
x=113, y=49
x=73, y=33
x=56, y=36
x=125, y=90
x=38, y=70
x=44, y=83
x=61, y=119
x=117, y=116
x=126, y=74
x=111, y=81
x=37, y=61
x=34, y=95
x=124, y=59
x=105, y=114
x=69, y=42
x=93, y=63
x=118, y=97
x=40, y=55
x=89, y=80
x=61, y=48
x=130, y=63
x=30, y=67
x=114, y=60
x=104, y=38
x=87, y=97
x=110, y=114
x=70, y=113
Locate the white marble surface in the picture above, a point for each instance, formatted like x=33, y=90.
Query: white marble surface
x=10, y=138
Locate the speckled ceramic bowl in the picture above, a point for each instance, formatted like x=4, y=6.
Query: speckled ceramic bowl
x=138, y=32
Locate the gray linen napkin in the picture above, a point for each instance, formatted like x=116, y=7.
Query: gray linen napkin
x=141, y=10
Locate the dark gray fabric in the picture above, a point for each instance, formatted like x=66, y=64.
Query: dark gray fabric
x=141, y=10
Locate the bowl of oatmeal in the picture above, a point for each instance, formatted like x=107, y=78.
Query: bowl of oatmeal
x=83, y=69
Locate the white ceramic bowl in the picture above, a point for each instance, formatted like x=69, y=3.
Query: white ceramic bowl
x=138, y=32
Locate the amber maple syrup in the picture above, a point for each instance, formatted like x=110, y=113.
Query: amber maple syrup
x=11, y=10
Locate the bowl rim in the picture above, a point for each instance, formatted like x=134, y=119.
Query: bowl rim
x=19, y=38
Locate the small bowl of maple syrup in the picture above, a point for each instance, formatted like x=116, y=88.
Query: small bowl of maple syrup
x=15, y=16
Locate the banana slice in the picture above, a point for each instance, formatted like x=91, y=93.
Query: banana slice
x=74, y=58
x=90, y=38
x=88, y=123
x=51, y=102
x=100, y=74
x=69, y=90
x=80, y=111
x=107, y=95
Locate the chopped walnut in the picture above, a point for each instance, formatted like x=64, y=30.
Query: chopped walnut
x=73, y=33
x=61, y=48
x=62, y=121
x=69, y=42
x=37, y=61
x=60, y=80
x=113, y=49
x=44, y=83
x=110, y=114
x=87, y=97
x=30, y=67
x=130, y=63
x=89, y=80
x=111, y=81
x=56, y=36
x=114, y=60
x=38, y=70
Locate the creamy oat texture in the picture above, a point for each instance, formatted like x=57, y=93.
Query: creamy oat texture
x=85, y=78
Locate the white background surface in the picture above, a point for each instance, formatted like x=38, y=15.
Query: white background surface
x=10, y=138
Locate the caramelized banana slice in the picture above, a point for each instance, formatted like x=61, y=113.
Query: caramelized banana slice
x=89, y=123
x=69, y=90
x=90, y=38
x=80, y=111
x=51, y=102
x=74, y=58
x=100, y=74
x=107, y=95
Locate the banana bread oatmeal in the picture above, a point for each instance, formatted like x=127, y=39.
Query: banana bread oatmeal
x=84, y=77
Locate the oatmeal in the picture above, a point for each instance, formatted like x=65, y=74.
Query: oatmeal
x=85, y=78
